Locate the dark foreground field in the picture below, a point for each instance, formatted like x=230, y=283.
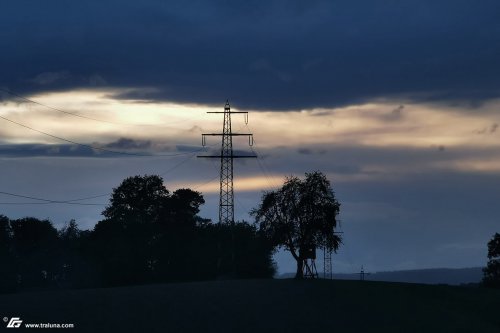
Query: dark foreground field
x=262, y=306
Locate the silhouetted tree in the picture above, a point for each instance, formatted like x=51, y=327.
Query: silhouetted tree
x=76, y=269
x=232, y=251
x=148, y=234
x=70, y=232
x=119, y=249
x=301, y=214
x=5, y=237
x=492, y=270
x=35, y=243
x=252, y=252
x=138, y=198
x=124, y=241
x=5, y=234
x=176, y=248
x=7, y=272
x=184, y=205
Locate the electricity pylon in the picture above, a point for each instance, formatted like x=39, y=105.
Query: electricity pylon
x=226, y=199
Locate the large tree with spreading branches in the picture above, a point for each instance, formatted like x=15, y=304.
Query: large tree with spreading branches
x=300, y=215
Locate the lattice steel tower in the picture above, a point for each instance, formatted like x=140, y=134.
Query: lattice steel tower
x=226, y=199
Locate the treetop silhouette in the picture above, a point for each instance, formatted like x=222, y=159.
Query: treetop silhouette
x=300, y=216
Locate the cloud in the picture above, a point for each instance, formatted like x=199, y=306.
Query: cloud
x=396, y=114
x=398, y=203
x=196, y=129
x=397, y=111
x=321, y=113
x=277, y=55
x=186, y=148
x=40, y=150
x=96, y=80
x=439, y=148
x=310, y=151
x=304, y=151
x=488, y=130
x=401, y=197
x=127, y=144
x=47, y=78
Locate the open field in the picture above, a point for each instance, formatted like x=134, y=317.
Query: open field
x=263, y=306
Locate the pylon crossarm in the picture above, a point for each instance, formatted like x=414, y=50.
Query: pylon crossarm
x=228, y=112
x=228, y=134
x=219, y=156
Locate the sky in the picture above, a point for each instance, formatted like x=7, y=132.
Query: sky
x=397, y=102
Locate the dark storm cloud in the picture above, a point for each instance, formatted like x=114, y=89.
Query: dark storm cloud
x=36, y=150
x=188, y=148
x=116, y=149
x=126, y=143
x=310, y=151
x=378, y=163
x=305, y=151
x=47, y=78
x=261, y=54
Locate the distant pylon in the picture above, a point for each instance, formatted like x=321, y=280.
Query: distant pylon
x=226, y=198
x=362, y=274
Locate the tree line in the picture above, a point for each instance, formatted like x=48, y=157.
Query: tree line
x=148, y=235
x=492, y=270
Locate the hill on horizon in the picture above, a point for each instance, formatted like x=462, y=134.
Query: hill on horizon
x=451, y=276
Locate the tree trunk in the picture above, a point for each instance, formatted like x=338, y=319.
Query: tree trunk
x=299, y=274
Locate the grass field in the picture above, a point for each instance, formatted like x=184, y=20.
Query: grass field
x=263, y=306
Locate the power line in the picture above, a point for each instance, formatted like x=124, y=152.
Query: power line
x=55, y=109
x=271, y=181
x=75, y=201
x=179, y=164
x=29, y=100
x=24, y=203
x=94, y=147
x=48, y=203
x=65, y=140
x=88, y=198
x=208, y=181
x=71, y=202
x=205, y=183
